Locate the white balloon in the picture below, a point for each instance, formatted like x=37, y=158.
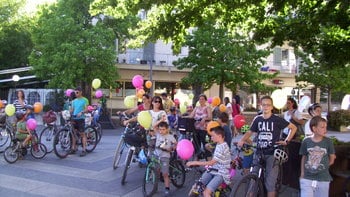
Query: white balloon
x=279, y=98
x=345, y=104
x=304, y=103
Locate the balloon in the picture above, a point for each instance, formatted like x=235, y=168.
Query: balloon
x=31, y=124
x=140, y=93
x=137, y=81
x=345, y=102
x=68, y=92
x=38, y=107
x=304, y=103
x=96, y=83
x=210, y=100
x=145, y=119
x=185, y=149
x=148, y=84
x=10, y=109
x=239, y=121
x=176, y=101
x=183, y=109
x=222, y=108
x=90, y=108
x=216, y=101
x=98, y=94
x=129, y=101
x=279, y=98
x=212, y=124
x=1, y=104
x=190, y=96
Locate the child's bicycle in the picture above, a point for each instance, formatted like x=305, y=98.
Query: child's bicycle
x=177, y=174
x=252, y=184
x=16, y=150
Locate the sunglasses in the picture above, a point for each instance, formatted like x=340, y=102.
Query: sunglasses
x=157, y=101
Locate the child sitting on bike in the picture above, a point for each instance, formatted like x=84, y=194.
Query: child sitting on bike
x=165, y=143
x=22, y=133
x=219, y=164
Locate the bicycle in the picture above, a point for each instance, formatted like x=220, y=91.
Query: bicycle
x=7, y=134
x=177, y=174
x=16, y=149
x=63, y=140
x=47, y=135
x=252, y=184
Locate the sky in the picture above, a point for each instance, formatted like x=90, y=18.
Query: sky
x=31, y=5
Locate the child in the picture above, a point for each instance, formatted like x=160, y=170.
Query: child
x=173, y=120
x=317, y=155
x=22, y=133
x=29, y=112
x=220, y=164
x=165, y=143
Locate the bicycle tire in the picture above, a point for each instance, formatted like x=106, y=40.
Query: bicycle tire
x=150, y=177
x=11, y=153
x=346, y=187
x=98, y=128
x=62, y=143
x=92, y=138
x=177, y=173
x=127, y=165
x=46, y=137
x=118, y=153
x=248, y=185
x=5, y=139
x=38, y=151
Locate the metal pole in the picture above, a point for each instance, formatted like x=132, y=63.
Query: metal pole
x=150, y=76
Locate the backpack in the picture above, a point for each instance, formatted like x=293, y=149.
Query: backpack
x=49, y=117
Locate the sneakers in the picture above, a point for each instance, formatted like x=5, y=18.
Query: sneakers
x=83, y=153
x=72, y=151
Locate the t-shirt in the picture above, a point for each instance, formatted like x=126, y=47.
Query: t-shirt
x=173, y=120
x=21, y=125
x=18, y=105
x=156, y=116
x=164, y=141
x=222, y=156
x=268, y=132
x=79, y=105
x=228, y=105
x=316, y=166
x=307, y=129
x=167, y=104
x=288, y=116
x=200, y=113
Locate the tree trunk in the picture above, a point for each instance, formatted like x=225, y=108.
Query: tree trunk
x=329, y=100
x=198, y=90
x=221, y=91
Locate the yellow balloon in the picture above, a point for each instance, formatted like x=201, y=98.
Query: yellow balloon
x=96, y=83
x=145, y=119
x=190, y=96
x=129, y=101
x=279, y=98
x=10, y=109
x=182, y=109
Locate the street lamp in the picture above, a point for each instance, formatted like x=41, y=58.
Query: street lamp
x=15, y=78
x=150, y=75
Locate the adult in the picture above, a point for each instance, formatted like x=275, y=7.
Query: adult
x=314, y=110
x=167, y=102
x=20, y=102
x=291, y=168
x=236, y=110
x=229, y=112
x=201, y=114
x=268, y=128
x=157, y=112
x=79, y=108
x=145, y=105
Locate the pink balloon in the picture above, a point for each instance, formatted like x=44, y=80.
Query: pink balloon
x=98, y=94
x=239, y=121
x=68, y=92
x=90, y=108
x=137, y=81
x=210, y=100
x=185, y=149
x=31, y=124
x=176, y=101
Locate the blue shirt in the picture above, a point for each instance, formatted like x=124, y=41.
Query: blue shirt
x=79, y=105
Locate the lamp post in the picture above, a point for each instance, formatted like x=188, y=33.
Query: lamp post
x=15, y=79
x=150, y=75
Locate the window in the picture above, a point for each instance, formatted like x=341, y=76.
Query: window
x=33, y=97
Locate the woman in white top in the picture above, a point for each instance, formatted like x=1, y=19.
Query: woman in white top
x=229, y=111
x=292, y=113
x=314, y=110
x=157, y=112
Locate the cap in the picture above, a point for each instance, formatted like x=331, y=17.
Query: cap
x=79, y=89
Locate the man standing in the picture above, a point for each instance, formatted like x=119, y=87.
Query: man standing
x=167, y=102
x=79, y=107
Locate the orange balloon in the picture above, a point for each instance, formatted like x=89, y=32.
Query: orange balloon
x=222, y=108
x=216, y=101
x=212, y=124
x=140, y=93
x=38, y=107
x=148, y=84
x=1, y=104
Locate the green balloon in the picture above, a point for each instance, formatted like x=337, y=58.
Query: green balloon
x=129, y=101
x=182, y=108
x=145, y=119
x=10, y=109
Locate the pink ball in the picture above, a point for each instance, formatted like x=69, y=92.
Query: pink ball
x=185, y=149
x=176, y=101
x=98, y=94
x=31, y=124
x=137, y=81
x=68, y=92
x=210, y=100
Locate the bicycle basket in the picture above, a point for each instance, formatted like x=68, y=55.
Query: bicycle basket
x=49, y=117
x=280, y=155
x=135, y=136
x=186, y=125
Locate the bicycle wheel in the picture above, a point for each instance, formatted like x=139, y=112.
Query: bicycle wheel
x=5, y=139
x=177, y=173
x=92, y=138
x=346, y=187
x=11, y=153
x=46, y=137
x=62, y=143
x=98, y=128
x=38, y=151
x=150, y=181
x=118, y=153
x=249, y=185
x=127, y=165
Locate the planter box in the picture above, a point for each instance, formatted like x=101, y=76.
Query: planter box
x=344, y=128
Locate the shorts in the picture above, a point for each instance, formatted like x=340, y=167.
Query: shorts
x=212, y=181
x=21, y=136
x=271, y=171
x=164, y=165
x=79, y=125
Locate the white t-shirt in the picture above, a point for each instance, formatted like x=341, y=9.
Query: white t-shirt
x=228, y=105
x=288, y=116
x=307, y=130
x=156, y=116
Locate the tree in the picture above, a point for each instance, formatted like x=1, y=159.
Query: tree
x=70, y=50
x=217, y=56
